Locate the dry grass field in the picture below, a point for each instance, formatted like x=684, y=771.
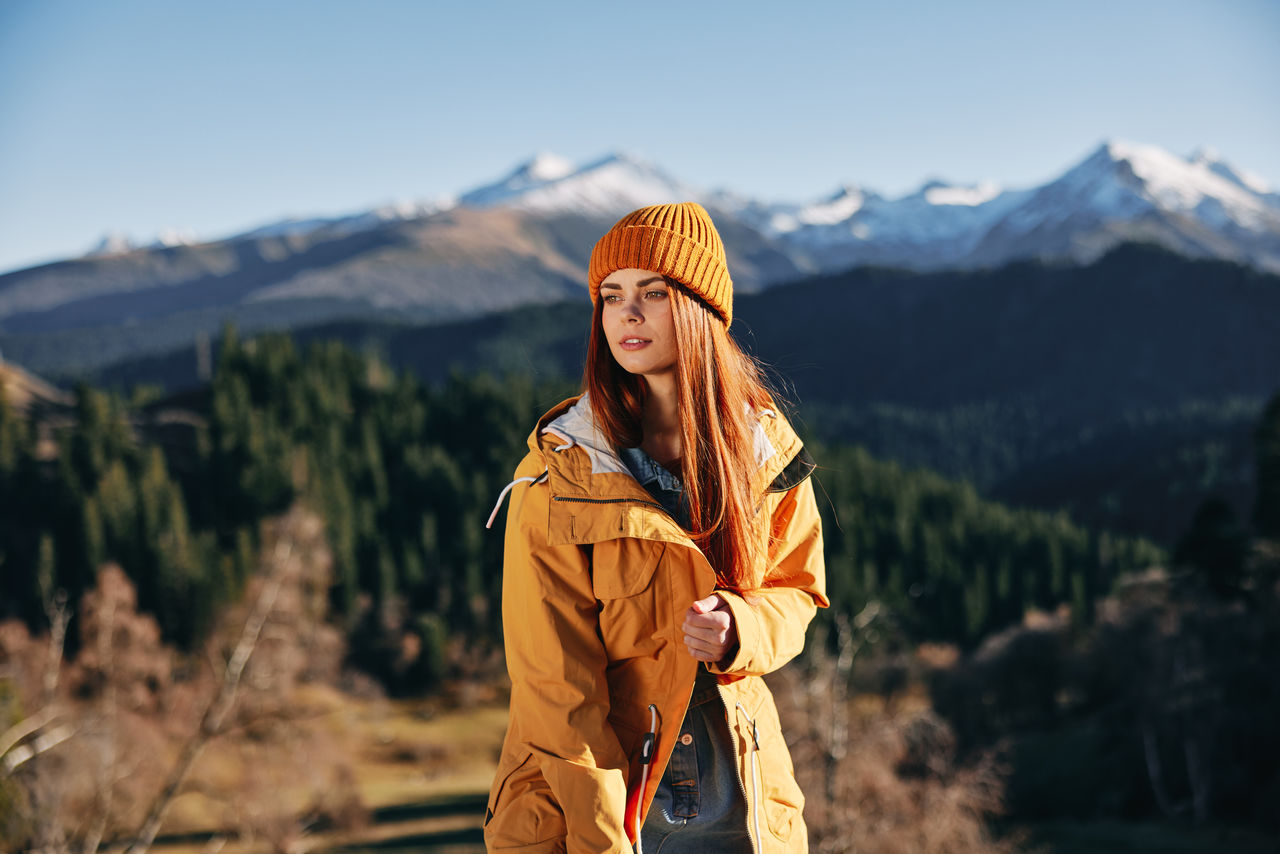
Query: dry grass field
x=416, y=771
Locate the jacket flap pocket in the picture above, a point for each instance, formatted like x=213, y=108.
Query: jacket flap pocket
x=624, y=567
x=510, y=765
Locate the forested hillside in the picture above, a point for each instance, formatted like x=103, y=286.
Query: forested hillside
x=405, y=475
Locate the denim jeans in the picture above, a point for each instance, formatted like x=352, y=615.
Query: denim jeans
x=699, y=805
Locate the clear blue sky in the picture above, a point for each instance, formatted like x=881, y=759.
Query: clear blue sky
x=215, y=117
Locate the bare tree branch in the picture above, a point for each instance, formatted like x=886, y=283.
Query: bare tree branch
x=838, y=737
x=216, y=714
x=26, y=727
x=59, y=615
x=110, y=708
x=1155, y=772
x=21, y=754
x=1198, y=777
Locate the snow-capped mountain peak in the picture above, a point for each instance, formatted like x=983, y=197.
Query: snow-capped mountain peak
x=112, y=243
x=613, y=184
x=1123, y=179
x=546, y=166
x=173, y=237
x=941, y=193
x=117, y=242
x=541, y=170
x=839, y=206
x=1208, y=158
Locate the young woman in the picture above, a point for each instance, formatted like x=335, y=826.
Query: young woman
x=663, y=551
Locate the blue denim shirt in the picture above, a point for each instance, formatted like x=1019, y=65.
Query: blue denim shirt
x=661, y=484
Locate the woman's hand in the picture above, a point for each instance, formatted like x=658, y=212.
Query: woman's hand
x=709, y=632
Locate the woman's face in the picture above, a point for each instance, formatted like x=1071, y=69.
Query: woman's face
x=635, y=314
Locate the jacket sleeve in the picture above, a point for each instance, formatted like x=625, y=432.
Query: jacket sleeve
x=559, y=696
x=771, y=622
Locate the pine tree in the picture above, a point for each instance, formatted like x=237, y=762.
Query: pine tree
x=1215, y=546
x=1266, y=441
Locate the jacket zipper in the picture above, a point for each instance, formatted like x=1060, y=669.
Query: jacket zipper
x=756, y=783
x=753, y=805
x=582, y=500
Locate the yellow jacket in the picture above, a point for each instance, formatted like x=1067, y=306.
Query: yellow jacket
x=597, y=579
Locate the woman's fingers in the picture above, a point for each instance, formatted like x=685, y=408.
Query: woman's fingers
x=713, y=626
x=703, y=654
x=711, y=603
x=708, y=628
x=705, y=650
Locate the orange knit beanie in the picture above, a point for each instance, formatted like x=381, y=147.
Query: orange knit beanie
x=679, y=241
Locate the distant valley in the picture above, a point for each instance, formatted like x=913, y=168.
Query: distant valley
x=1100, y=388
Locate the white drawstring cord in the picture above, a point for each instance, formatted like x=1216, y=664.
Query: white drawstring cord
x=504, y=492
x=755, y=784
x=646, y=756
x=569, y=441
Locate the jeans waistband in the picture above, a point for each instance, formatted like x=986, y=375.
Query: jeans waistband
x=704, y=695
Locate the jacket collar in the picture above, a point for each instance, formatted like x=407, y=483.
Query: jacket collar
x=576, y=426
x=596, y=477
x=571, y=424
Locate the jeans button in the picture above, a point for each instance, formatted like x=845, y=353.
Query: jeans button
x=686, y=739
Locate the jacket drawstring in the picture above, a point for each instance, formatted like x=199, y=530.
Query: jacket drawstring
x=755, y=784
x=507, y=489
x=646, y=758
x=569, y=442
x=568, y=439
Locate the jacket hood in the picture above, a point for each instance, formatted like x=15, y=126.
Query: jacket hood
x=575, y=425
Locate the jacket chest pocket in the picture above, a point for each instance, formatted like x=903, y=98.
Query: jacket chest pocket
x=629, y=591
x=624, y=568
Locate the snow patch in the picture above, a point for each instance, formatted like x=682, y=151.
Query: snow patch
x=612, y=185
x=111, y=243
x=956, y=195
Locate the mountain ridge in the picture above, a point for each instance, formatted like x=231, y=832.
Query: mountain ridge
x=526, y=240
x=1122, y=179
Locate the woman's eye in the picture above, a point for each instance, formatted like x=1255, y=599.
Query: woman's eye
x=657, y=293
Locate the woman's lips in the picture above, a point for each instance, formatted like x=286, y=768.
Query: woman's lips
x=633, y=344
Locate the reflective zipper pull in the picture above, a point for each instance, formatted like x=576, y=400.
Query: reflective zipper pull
x=646, y=757
x=646, y=749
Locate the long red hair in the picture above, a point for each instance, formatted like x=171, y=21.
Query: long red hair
x=721, y=390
